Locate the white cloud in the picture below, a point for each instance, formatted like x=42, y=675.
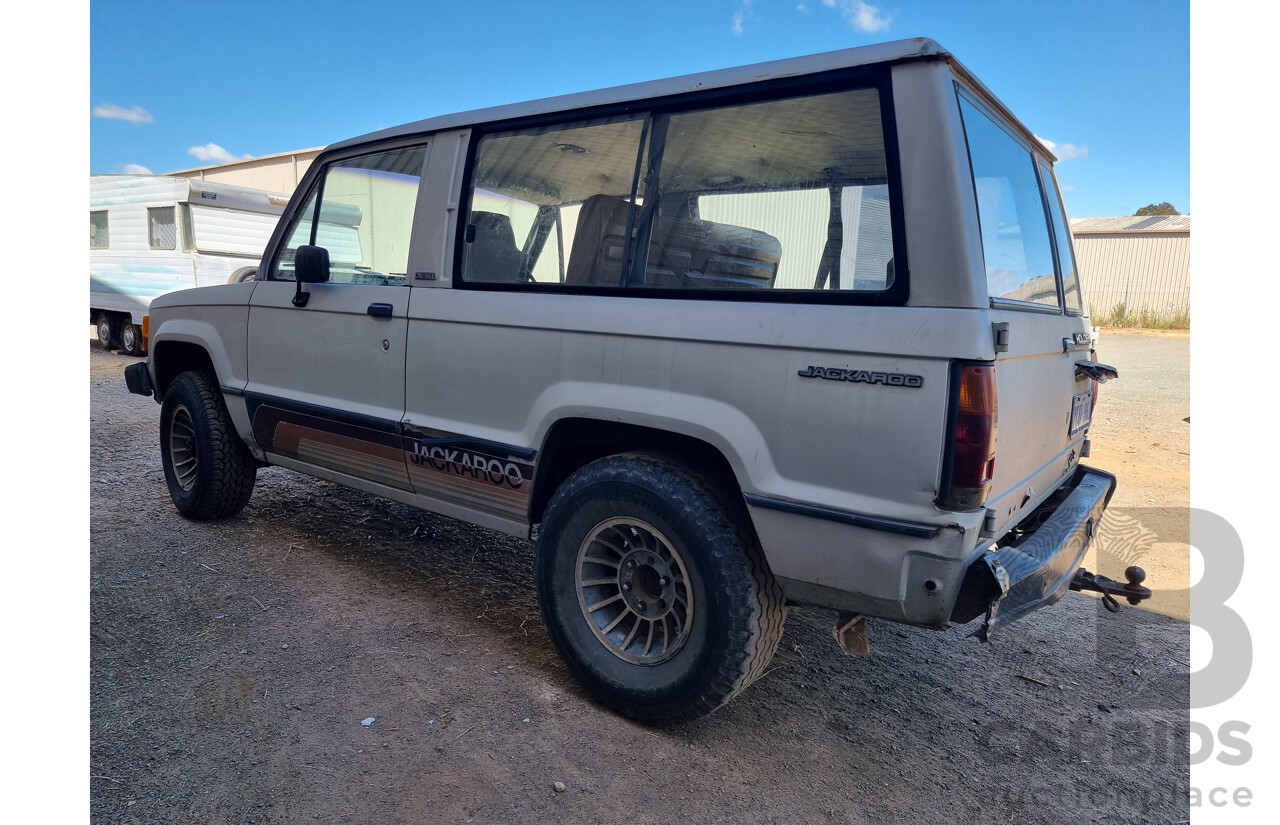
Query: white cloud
x=1069, y=190
x=740, y=16
x=111, y=111
x=1064, y=151
x=213, y=153
x=862, y=16
x=135, y=169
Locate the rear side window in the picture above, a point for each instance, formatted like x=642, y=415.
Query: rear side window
x=162, y=229
x=535, y=190
x=790, y=195
x=1011, y=211
x=785, y=194
x=99, y=230
x=1062, y=241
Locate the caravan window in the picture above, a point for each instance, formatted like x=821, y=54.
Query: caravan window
x=365, y=219
x=162, y=230
x=99, y=234
x=188, y=231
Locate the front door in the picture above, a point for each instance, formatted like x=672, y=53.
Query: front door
x=326, y=379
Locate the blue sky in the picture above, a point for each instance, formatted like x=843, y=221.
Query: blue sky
x=178, y=85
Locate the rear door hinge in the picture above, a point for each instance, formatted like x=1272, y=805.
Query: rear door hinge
x=1000, y=334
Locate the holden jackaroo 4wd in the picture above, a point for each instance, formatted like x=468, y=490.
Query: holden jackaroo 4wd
x=805, y=332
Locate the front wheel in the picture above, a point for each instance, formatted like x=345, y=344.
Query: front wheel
x=654, y=588
x=209, y=470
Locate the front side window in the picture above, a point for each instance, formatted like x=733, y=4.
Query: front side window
x=364, y=220
x=786, y=195
x=162, y=229
x=1011, y=212
x=99, y=230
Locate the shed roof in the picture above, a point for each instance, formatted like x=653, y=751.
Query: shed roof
x=1131, y=223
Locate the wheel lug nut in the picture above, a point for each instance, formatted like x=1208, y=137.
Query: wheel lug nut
x=626, y=585
x=664, y=581
x=662, y=603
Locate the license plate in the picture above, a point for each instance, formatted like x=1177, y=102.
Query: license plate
x=1081, y=411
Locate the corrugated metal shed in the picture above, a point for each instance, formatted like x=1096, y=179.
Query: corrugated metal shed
x=1141, y=262
x=1132, y=223
x=279, y=172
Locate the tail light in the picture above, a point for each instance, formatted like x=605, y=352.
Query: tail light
x=146, y=332
x=972, y=453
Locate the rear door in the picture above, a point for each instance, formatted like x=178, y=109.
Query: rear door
x=1037, y=314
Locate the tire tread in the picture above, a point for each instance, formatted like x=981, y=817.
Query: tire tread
x=756, y=611
x=227, y=471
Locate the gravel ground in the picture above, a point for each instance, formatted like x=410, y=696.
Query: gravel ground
x=232, y=665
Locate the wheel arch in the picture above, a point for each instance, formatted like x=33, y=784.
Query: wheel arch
x=172, y=358
x=572, y=443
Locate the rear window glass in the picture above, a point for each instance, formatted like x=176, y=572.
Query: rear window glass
x=1011, y=211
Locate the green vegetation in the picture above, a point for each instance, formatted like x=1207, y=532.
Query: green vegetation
x=1145, y=318
x=1161, y=208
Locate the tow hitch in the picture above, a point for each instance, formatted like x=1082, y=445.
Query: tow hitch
x=1133, y=591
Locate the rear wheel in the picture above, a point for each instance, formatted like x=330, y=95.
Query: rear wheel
x=654, y=588
x=130, y=338
x=106, y=330
x=209, y=470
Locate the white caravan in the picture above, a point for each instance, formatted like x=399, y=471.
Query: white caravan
x=152, y=234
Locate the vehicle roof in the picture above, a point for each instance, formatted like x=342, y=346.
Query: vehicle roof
x=892, y=52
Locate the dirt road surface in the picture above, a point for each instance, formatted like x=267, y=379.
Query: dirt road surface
x=232, y=665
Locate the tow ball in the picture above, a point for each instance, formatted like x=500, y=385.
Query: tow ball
x=1132, y=591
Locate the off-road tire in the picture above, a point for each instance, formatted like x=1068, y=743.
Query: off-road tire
x=221, y=480
x=130, y=337
x=739, y=609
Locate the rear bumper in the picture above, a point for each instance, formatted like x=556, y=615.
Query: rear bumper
x=1010, y=582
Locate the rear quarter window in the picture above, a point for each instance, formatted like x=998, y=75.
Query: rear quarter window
x=1016, y=245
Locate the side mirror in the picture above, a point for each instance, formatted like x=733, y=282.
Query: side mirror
x=310, y=266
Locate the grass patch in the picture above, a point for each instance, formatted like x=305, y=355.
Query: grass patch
x=1146, y=318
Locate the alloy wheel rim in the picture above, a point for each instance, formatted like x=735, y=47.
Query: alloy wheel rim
x=633, y=590
x=182, y=448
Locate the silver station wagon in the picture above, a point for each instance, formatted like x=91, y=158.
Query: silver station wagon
x=807, y=332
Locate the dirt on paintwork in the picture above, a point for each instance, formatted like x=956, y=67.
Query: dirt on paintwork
x=233, y=666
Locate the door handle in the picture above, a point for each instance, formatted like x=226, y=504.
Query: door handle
x=379, y=310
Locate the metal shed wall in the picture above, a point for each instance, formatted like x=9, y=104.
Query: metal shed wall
x=1143, y=270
